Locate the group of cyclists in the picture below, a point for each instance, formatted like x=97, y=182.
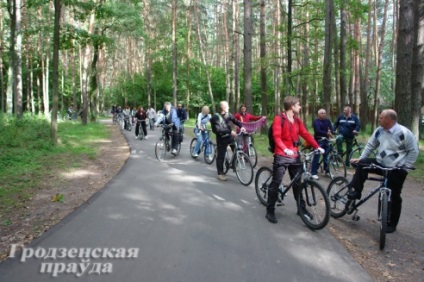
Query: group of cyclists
x=394, y=144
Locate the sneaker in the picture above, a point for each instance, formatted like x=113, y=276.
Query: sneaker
x=390, y=229
x=306, y=213
x=174, y=152
x=271, y=217
x=327, y=173
x=222, y=177
x=195, y=155
x=315, y=177
x=354, y=195
x=136, y=137
x=145, y=137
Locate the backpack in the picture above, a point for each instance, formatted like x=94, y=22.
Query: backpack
x=271, y=142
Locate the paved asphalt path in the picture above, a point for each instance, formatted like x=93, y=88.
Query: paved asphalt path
x=187, y=226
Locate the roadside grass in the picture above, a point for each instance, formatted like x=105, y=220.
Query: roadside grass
x=28, y=158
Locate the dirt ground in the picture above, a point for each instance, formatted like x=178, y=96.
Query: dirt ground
x=402, y=259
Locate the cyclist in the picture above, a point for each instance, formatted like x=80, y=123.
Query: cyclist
x=396, y=147
x=348, y=125
x=286, y=140
x=244, y=116
x=182, y=115
x=141, y=115
x=151, y=113
x=322, y=131
x=220, y=124
x=169, y=116
x=202, y=119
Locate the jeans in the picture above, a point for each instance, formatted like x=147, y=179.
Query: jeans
x=201, y=137
x=152, y=123
x=349, y=143
x=395, y=181
x=281, y=163
x=315, y=161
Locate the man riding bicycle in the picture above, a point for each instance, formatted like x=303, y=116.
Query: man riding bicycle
x=169, y=116
x=396, y=147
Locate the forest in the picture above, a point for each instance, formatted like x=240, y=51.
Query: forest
x=92, y=54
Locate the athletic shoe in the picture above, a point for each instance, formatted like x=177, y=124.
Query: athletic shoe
x=222, y=177
x=174, y=152
x=315, y=177
x=271, y=217
x=195, y=155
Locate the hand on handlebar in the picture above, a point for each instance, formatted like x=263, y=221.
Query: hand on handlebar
x=288, y=152
x=321, y=150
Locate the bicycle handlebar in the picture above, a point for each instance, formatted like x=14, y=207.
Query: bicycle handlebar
x=373, y=166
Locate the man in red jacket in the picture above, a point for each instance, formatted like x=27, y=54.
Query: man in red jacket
x=286, y=156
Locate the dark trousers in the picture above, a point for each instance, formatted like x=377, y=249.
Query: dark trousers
x=395, y=181
x=349, y=144
x=280, y=165
x=175, y=137
x=143, y=126
x=222, y=144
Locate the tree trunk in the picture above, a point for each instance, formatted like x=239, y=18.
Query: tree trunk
x=418, y=67
x=236, y=81
x=343, y=85
x=10, y=93
x=3, y=98
x=277, y=34
x=248, y=54
x=56, y=45
x=364, y=85
x=326, y=81
x=174, y=52
x=264, y=94
x=357, y=76
x=403, y=103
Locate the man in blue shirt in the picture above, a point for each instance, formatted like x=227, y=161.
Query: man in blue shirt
x=323, y=131
x=348, y=125
x=169, y=116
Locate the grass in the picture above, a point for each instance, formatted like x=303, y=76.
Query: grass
x=28, y=156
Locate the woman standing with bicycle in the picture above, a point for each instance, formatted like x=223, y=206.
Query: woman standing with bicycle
x=396, y=147
x=220, y=123
x=202, y=119
x=287, y=141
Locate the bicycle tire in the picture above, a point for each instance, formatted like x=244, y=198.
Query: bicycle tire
x=227, y=163
x=336, y=166
x=337, y=194
x=243, y=168
x=140, y=135
x=317, y=205
x=192, y=146
x=263, y=179
x=160, y=149
x=383, y=219
x=212, y=154
x=252, y=155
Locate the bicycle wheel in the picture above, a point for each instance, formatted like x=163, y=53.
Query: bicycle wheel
x=160, y=149
x=140, y=135
x=263, y=179
x=212, y=153
x=243, y=168
x=383, y=218
x=251, y=152
x=336, y=166
x=316, y=212
x=192, y=146
x=337, y=193
x=227, y=163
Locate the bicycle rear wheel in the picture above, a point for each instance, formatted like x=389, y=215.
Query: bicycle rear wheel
x=251, y=152
x=263, y=179
x=243, y=168
x=336, y=166
x=160, y=149
x=383, y=219
x=192, y=146
x=140, y=135
x=316, y=212
x=337, y=193
x=212, y=153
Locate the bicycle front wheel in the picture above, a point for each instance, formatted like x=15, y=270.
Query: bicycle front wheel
x=210, y=153
x=337, y=193
x=251, y=151
x=316, y=212
x=263, y=180
x=192, y=146
x=160, y=149
x=383, y=219
x=243, y=168
x=336, y=166
x=227, y=163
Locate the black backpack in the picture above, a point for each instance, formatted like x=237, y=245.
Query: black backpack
x=271, y=142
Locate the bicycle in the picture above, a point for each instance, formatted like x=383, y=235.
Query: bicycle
x=239, y=162
x=248, y=146
x=208, y=147
x=336, y=166
x=316, y=200
x=339, y=188
x=140, y=135
x=356, y=152
x=163, y=144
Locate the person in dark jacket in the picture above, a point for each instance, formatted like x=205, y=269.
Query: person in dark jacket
x=221, y=126
x=169, y=116
x=349, y=126
x=140, y=117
